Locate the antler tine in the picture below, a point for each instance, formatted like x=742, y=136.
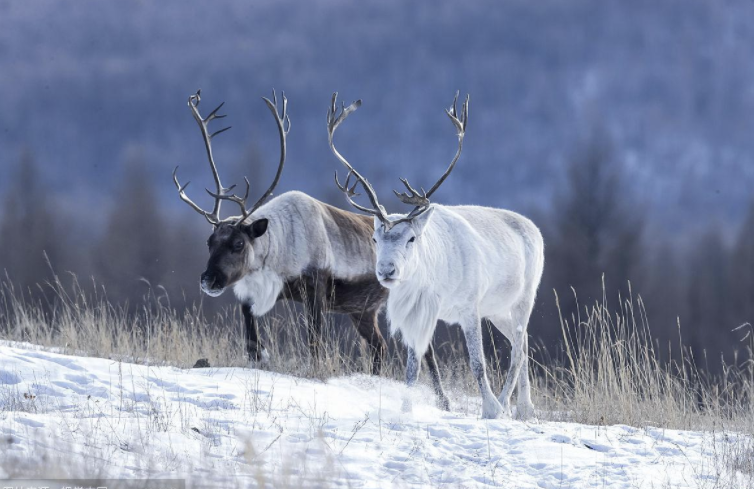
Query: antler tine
x=284, y=126
x=452, y=113
x=345, y=188
x=241, y=201
x=333, y=121
x=193, y=103
x=350, y=191
x=415, y=197
x=182, y=194
x=460, y=124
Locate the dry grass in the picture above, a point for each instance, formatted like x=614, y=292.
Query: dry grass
x=612, y=371
x=75, y=321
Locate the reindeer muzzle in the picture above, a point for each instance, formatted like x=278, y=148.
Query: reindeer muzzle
x=211, y=286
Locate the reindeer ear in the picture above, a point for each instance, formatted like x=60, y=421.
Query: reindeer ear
x=256, y=228
x=420, y=221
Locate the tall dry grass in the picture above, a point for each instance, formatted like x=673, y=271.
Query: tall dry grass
x=76, y=319
x=80, y=320
x=614, y=372
x=611, y=372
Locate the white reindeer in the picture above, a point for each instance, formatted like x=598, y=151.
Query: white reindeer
x=460, y=264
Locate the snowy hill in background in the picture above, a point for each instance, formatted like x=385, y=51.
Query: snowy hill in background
x=90, y=417
x=84, y=86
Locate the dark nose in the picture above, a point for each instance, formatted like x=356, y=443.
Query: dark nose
x=386, y=271
x=212, y=280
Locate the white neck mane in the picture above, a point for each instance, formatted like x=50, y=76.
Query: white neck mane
x=416, y=300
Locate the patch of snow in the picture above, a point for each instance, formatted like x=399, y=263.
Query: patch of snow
x=237, y=426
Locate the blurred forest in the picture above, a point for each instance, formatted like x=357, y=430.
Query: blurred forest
x=595, y=229
x=621, y=128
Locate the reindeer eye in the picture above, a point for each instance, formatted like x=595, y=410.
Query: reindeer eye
x=413, y=238
x=238, y=245
x=374, y=240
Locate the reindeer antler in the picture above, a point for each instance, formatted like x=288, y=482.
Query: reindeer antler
x=417, y=198
x=333, y=121
x=222, y=193
x=422, y=199
x=193, y=103
x=284, y=126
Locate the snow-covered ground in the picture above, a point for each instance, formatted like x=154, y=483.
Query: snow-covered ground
x=89, y=417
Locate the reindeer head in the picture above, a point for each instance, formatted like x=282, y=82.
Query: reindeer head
x=232, y=243
x=231, y=255
x=396, y=236
x=397, y=248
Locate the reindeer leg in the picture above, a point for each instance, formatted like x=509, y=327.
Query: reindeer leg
x=254, y=348
x=413, y=364
x=518, y=372
x=315, y=308
x=524, y=406
x=442, y=399
x=367, y=326
x=472, y=329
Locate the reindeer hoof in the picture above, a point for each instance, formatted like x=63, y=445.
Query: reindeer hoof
x=201, y=363
x=408, y=405
x=525, y=411
x=262, y=359
x=492, y=409
x=443, y=403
